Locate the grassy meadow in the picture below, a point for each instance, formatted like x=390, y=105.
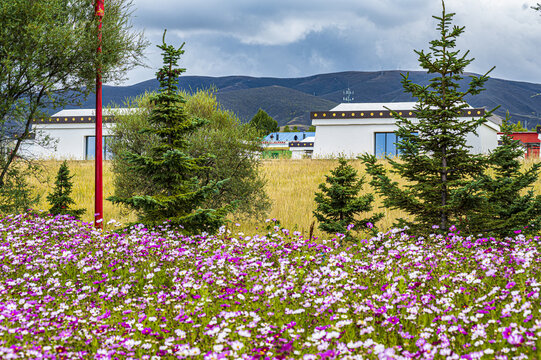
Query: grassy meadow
x=291, y=185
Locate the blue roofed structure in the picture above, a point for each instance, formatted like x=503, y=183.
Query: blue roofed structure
x=287, y=136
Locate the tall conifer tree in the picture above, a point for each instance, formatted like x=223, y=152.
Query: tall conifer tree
x=178, y=194
x=511, y=204
x=434, y=159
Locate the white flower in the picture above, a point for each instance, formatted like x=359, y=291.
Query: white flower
x=333, y=334
x=244, y=333
x=181, y=334
x=218, y=348
x=149, y=276
x=237, y=345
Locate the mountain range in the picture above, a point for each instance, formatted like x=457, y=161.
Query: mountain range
x=290, y=100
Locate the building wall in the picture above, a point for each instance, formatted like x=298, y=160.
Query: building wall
x=70, y=140
x=352, y=137
x=348, y=140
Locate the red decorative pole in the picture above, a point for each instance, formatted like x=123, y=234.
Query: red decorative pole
x=98, y=213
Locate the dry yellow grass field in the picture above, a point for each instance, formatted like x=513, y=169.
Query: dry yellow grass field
x=291, y=186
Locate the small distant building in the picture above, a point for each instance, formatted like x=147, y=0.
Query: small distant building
x=351, y=129
x=302, y=149
x=74, y=132
x=276, y=144
x=530, y=141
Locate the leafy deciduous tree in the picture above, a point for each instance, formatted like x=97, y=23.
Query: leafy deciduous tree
x=48, y=59
x=264, y=123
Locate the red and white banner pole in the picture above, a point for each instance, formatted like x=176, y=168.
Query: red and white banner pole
x=98, y=210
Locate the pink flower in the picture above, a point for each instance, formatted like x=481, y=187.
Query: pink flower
x=510, y=285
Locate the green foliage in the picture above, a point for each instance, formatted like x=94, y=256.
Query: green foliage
x=517, y=127
x=295, y=128
x=15, y=194
x=60, y=198
x=48, y=59
x=234, y=149
x=312, y=128
x=435, y=160
x=286, y=129
x=510, y=202
x=338, y=202
x=264, y=123
x=177, y=194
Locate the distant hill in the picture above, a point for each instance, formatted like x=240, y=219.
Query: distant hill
x=290, y=100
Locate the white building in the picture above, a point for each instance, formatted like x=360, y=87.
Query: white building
x=351, y=129
x=302, y=149
x=74, y=133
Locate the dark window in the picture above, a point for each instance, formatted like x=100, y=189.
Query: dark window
x=385, y=144
x=90, y=147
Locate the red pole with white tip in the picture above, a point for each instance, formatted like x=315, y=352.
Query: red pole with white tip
x=98, y=213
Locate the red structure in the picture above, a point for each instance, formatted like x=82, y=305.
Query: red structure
x=98, y=208
x=530, y=141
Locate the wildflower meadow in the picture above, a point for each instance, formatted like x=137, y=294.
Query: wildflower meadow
x=69, y=291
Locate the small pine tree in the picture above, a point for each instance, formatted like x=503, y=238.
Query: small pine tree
x=295, y=128
x=511, y=204
x=338, y=203
x=177, y=193
x=286, y=129
x=60, y=198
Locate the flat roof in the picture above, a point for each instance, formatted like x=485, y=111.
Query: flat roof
x=92, y=112
x=374, y=106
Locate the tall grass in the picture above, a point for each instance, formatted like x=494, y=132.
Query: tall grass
x=291, y=186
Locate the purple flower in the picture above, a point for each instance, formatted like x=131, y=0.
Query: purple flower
x=327, y=354
x=369, y=225
x=510, y=285
x=506, y=332
x=515, y=339
x=393, y=320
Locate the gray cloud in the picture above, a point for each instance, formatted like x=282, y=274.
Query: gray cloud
x=299, y=38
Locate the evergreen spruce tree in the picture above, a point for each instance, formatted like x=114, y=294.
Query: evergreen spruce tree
x=511, y=204
x=177, y=192
x=60, y=198
x=434, y=158
x=338, y=203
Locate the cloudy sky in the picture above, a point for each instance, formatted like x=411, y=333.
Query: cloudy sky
x=295, y=38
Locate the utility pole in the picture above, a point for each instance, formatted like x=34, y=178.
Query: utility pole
x=98, y=209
